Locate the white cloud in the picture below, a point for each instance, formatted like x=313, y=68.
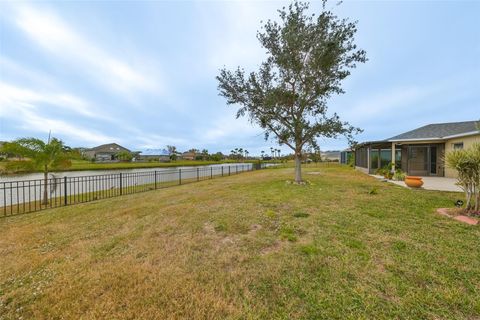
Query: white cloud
x=56, y=36
x=29, y=119
x=388, y=103
x=235, y=43
x=153, y=141
x=35, y=122
x=11, y=95
x=227, y=127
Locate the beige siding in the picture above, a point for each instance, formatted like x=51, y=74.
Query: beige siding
x=467, y=142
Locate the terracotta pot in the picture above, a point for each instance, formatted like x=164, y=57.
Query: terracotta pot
x=413, y=182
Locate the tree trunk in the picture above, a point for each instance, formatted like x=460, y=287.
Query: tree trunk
x=298, y=167
x=477, y=199
x=45, y=187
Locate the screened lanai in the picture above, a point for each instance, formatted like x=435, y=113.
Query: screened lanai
x=423, y=159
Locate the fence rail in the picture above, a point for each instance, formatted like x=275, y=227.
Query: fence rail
x=18, y=197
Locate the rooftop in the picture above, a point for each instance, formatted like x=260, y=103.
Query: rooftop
x=440, y=131
x=155, y=152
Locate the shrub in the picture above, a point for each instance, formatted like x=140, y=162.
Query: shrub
x=124, y=156
x=467, y=164
x=351, y=160
x=399, y=175
x=385, y=172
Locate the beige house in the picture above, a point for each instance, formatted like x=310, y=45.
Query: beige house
x=105, y=152
x=420, y=151
x=188, y=155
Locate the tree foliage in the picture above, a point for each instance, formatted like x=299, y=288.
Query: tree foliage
x=467, y=164
x=307, y=59
x=47, y=156
x=124, y=156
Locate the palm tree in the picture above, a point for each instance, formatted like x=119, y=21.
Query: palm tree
x=246, y=153
x=205, y=154
x=240, y=153
x=172, y=149
x=263, y=154
x=45, y=156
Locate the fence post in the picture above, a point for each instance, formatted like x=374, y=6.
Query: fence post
x=197, y=175
x=65, y=190
x=155, y=179
x=228, y=170
x=211, y=172
x=121, y=183
x=222, y=171
x=179, y=176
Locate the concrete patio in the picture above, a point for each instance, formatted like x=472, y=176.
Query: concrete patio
x=430, y=183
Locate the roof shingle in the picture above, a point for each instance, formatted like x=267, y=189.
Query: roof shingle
x=439, y=130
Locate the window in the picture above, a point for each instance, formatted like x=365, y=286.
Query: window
x=458, y=146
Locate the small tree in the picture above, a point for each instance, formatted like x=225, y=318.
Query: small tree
x=217, y=156
x=307, y=59
x=44, y=156
x=240, y=153
x=172, y=151
x=205, y=154
x=467, y=164
x=124, y=156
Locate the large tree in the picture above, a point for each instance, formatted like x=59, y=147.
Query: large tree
x=307, y=59
x=45, y=156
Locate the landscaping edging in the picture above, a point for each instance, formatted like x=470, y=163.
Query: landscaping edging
x=461, y=218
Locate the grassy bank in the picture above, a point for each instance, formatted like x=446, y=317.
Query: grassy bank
x=249, y=246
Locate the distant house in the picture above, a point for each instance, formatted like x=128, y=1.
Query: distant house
x=105, y=152
x=420, y=151
x=188, y=155
x=154, y=154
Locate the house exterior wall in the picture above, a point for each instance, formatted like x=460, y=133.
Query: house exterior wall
x=101, y=156
x=467, y=141
x=89, y=154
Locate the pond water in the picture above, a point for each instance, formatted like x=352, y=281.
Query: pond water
x=83, y=173
x=81, y=186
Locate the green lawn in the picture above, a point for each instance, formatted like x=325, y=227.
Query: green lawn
x=87, y=165
x=249, y=246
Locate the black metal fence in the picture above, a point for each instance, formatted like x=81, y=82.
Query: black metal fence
x=18, y=197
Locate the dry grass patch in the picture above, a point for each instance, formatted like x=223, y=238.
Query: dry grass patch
x=245, y=247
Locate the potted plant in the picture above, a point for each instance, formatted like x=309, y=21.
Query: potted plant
x=385, y=172
x=413, y=181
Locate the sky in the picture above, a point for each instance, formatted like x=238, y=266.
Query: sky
x=142, y=74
